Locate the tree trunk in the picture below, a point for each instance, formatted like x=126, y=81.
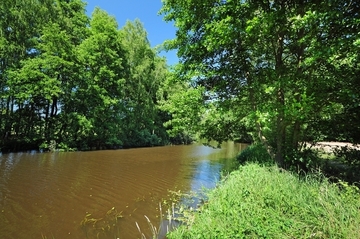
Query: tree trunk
x=47, y=131
x=296, y=135
x=280, y=134
x=280, y=97
x=54, y=107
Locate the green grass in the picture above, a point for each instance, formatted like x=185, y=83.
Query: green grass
x=265, y=202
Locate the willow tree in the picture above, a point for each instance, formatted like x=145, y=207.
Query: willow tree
x=269, y=67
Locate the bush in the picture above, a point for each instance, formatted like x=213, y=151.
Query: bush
x=255, y=153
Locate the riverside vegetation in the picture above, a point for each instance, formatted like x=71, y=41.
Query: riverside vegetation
x=73, y=82
x=261, y=200
x=282, y=74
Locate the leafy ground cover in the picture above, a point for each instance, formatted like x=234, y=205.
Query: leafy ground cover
x=268, y=202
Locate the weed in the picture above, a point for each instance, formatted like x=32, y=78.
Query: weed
x=105, y=226
x=157, y=231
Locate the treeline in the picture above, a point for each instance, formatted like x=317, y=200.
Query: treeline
x=71, y=81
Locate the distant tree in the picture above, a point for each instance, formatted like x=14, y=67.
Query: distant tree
x=147, y=74
x=44, y=80
x=20, y=30
x=70, y=81
x=101, y=91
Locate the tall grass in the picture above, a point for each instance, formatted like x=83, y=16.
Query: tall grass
x=166, y=224
x=266, y=202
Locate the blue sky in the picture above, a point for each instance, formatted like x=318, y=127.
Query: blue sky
x=145, y=10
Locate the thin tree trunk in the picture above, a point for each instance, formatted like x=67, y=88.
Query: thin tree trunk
x=280, y=134
x=53, y=107
x=296, y=135
x=280, y=98
x=299, y=75
x=47, y=131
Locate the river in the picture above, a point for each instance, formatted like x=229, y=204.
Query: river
x=78, y=195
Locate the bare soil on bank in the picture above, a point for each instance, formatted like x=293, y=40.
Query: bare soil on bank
x=329, y=147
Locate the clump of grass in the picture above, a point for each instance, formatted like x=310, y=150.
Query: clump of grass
x=266, y=202
x=153, y=228
x=157, y=232
x=101, y=227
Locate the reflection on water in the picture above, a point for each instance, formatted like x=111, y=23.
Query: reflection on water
x=50, y=194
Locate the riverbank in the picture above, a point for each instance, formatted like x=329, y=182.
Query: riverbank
x=266, y=202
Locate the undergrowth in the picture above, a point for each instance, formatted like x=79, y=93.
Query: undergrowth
x=266, y=202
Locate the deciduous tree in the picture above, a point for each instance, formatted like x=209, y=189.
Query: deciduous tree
x=276, y=66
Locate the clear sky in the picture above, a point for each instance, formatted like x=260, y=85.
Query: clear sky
x=145, y=10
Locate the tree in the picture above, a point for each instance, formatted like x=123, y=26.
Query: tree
x=19, y=31
x=147, y=74
x=45, y=79
x=99, y=95
x=271, y=65
x=183, y=104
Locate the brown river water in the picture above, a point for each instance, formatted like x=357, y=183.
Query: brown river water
x=80, y=194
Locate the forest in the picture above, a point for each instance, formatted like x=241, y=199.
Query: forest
x=281, y=73
x=73, y=82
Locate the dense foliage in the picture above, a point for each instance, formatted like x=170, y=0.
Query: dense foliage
x=281, y=72
x=72, y=81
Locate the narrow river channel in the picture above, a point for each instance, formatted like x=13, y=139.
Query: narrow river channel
x=81, y=194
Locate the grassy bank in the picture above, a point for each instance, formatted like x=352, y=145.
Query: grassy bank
x=265, y=202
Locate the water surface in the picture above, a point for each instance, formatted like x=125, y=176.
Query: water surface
x=48, y=195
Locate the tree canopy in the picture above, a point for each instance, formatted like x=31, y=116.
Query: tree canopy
x=70, y=81
x=278, y=72
x=283, y=72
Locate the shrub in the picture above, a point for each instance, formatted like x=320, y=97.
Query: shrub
x=255, y=153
